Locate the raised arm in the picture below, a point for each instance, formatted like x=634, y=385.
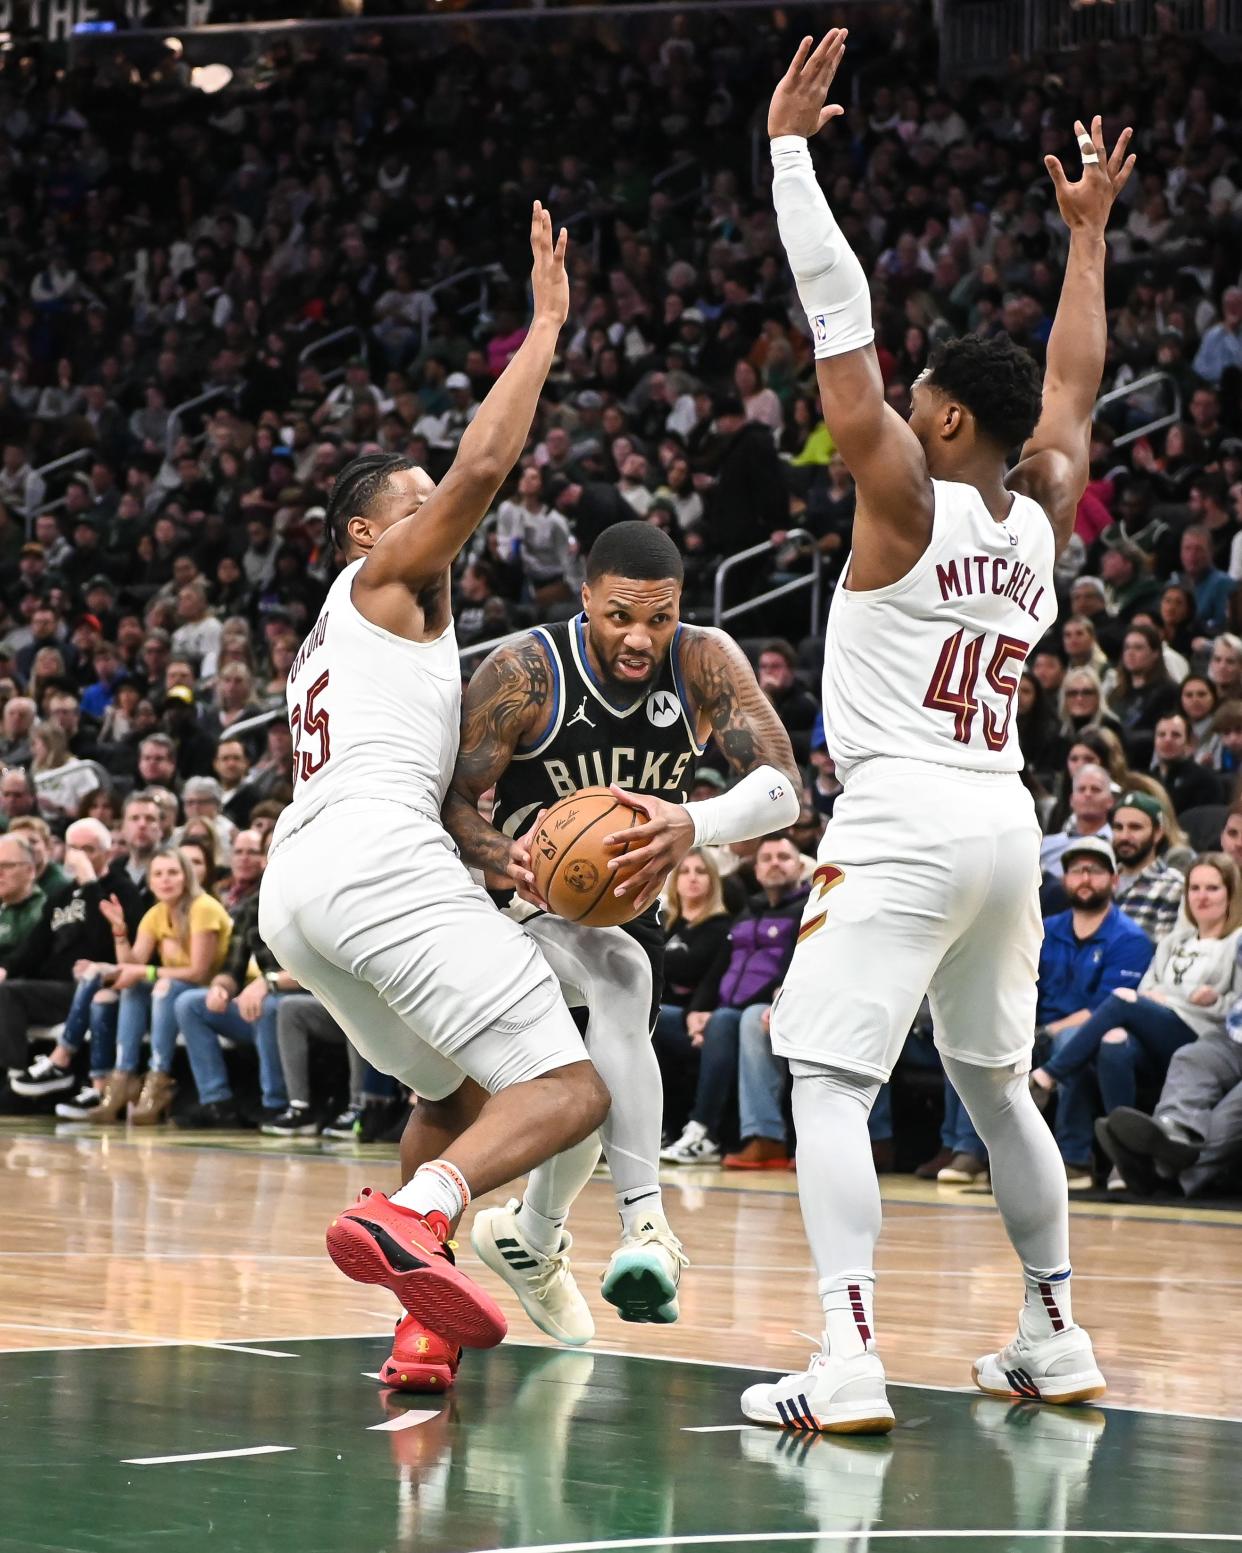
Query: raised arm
x=892, y=524
x=1055, y=462
x=507, y=699
x=416, y=552
x=720, y=682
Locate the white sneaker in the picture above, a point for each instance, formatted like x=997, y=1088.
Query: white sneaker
x=83, y=1106
x=642, y=1277
x=694, y=1147
x=544, y=1284
x=1060, y=1368
x=835, y=1396
x=41, y=1078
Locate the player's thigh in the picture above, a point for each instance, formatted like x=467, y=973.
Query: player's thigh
x=983, y=994
x=376, y=1031
x=533, y=1038
x=872, y=935
x=603, y=968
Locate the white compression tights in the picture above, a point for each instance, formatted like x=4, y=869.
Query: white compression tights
x=840, y=1195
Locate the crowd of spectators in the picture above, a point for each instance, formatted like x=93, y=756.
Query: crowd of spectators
x=161, y=245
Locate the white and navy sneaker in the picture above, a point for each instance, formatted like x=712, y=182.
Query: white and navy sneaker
x=1060, y=1368
x=82, y=1107
x=347, y=1125
x=694, y=1147
x=544, y=1284
x=642, y=1277
x=43, y=1077
x=834, y=1396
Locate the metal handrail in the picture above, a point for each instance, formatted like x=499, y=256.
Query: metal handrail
x=65, y=461
x=814, y=581
x=253, y=724
x=309, y=352
x=1128, y=391
x=485, y=272
x=173, y=430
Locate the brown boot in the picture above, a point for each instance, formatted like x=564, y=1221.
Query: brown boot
x=120, y=1092
x=156, y=1100
x=759, y=1154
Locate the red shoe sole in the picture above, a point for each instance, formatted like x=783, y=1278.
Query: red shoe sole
x=416, y=1377
x=448, y=1302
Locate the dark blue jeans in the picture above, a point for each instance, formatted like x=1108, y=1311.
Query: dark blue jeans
x=99, y=1021
x=1087, y=1067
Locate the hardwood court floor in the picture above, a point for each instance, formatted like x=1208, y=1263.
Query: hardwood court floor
x=167, y=1295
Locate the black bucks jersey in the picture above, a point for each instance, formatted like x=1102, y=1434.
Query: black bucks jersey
x=650, y=745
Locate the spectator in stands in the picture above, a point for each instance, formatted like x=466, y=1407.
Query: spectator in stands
x=748, y=500
x=1082, y=704
x=1132, y=1034
x=696, y=928
x=776, y=672
x=1225, y=667
x=198, y=632
x=1198, y=700
x=1089, y=951
x=202, y=798
x=18, y=719
x=761, y=944
x=61, y=781
x=1212, y=587
x=1187, y=783
x=23, y=909
x=232, y=768
x=1148, y=890
x=536, y=539
x=49, y=875
x=183, y=938
x=1081, y=646
x=300, y=1020
x=239, y=1009
x=1091, y=804
x=157, y=762
x=1143, y=692
x=1222, y=751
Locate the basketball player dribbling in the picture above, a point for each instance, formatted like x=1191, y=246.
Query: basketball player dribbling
x=929, y=867
x=625, y=694
x=365, y=900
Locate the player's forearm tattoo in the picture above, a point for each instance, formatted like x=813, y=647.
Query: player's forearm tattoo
x=722, y=684
x=504, y=699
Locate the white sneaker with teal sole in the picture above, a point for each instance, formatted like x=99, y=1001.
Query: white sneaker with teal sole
x=641, y=1279
x=544, y=1284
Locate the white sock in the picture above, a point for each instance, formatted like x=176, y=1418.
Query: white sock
x=437, y=1187
x=540, y=1231
x=1047, y=1308
x=849, y=1314
x=636, y=1207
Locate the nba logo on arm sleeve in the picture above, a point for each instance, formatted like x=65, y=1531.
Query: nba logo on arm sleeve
x=819, y=328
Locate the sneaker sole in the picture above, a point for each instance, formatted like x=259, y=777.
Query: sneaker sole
x=309, y=1131
x=41, y=1091
x=415, y=1377
x=485, y=1248
x=640, y=1290
x=442, y=1298
x=850, y=1421
x=1085, y=1387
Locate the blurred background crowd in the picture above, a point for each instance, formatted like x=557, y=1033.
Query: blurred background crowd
x=209, y=302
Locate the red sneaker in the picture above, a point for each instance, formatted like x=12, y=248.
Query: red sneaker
x=377, y=1241
x=420, y=1360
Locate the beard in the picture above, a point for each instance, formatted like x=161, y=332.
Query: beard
x=1131, y=853
x=1088, y=898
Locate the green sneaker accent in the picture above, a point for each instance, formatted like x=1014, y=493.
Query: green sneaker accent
x=637, y=1284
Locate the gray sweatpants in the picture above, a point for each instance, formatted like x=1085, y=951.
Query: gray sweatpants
x=300, y=1020
x=1203, y=1093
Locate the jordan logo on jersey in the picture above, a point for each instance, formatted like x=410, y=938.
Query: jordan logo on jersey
x=663, y=709
x=580, y=716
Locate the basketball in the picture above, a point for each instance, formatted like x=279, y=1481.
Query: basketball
x=570, y=861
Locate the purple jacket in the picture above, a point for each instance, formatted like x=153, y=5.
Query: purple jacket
x=760, y=947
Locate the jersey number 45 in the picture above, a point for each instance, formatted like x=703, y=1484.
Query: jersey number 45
x=953, y=688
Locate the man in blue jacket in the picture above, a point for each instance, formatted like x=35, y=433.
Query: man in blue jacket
x=727, y=1018
x=1089, y=952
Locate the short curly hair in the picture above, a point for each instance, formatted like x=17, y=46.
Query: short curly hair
x=997, y=381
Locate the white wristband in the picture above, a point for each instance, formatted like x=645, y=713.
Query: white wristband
x=763, y=801
x=831, y=284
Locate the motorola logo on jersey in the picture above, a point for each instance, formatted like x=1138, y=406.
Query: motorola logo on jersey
x=663, y=709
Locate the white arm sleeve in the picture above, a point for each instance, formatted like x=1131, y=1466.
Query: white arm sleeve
x=831, y=284
x=763, y=801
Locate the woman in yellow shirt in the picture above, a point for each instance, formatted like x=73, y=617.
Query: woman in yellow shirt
x=181, y=942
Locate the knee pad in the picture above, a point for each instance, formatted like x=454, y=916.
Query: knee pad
x=842, y=1082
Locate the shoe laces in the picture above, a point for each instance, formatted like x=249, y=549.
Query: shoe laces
x=652, y=1234
x=551, y=1273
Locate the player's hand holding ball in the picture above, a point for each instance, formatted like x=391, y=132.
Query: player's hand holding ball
x=518, y=871
x=654, y=847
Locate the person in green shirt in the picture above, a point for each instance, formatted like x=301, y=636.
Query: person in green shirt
x=22, y=904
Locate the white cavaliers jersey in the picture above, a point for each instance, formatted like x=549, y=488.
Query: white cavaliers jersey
x=373, y=715
x=928, y=668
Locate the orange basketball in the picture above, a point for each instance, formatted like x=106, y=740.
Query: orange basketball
x=570, y=861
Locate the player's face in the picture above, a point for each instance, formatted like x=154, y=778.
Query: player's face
x=630, y=626
x=406, y=491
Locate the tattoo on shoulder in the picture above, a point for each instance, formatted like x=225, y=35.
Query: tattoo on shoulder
x=722, y=684
x=503, y=699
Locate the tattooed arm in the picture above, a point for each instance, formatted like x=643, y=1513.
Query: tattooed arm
x=507, y=699
x=722, y=685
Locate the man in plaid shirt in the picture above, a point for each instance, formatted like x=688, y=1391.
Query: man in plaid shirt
x=1148, y=890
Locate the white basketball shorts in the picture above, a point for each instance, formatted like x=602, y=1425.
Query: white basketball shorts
x=371, y=908
x=927, y=885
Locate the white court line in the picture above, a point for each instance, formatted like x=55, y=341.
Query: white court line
x=722, y=1428
x=408, y=1420
x=263, y=1353
x=246, y=1450
x=972, y=1534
